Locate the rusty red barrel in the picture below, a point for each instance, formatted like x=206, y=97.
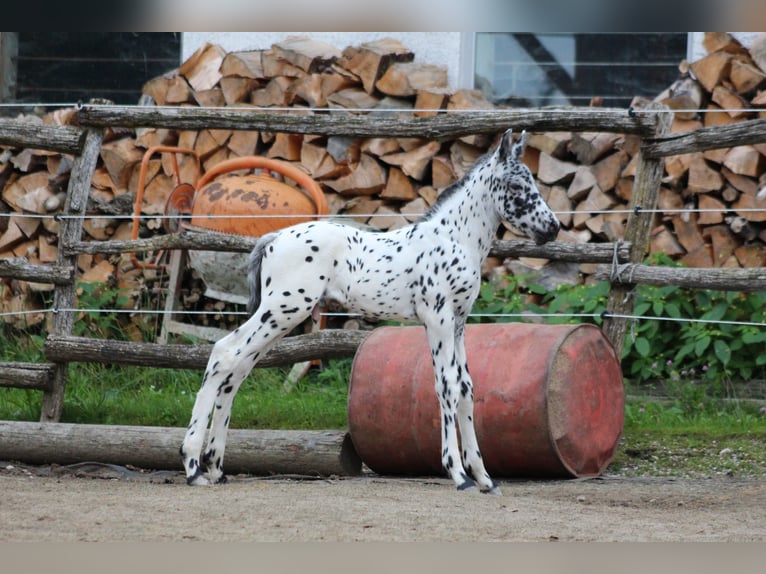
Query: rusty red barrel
x=549, y=400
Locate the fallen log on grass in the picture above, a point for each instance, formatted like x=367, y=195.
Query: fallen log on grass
x=257, y=452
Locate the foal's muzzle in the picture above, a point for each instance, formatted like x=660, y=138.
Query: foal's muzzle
x=549, y=234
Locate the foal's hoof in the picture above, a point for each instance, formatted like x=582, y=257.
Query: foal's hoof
x=468, y=486
x=494, y=491
x=197, y=480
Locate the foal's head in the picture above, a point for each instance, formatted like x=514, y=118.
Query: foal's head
x=516, y=196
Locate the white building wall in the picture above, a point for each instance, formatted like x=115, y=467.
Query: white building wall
x=440, y=48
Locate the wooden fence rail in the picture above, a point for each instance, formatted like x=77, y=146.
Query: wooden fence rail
x=622, y=260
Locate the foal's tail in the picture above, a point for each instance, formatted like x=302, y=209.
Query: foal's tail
x=254, y=272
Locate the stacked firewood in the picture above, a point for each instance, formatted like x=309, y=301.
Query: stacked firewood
x=387, y=182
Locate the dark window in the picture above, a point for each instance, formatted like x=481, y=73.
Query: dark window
x=67, y=67
x=522, y=69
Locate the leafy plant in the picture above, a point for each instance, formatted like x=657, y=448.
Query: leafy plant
x=692, y=335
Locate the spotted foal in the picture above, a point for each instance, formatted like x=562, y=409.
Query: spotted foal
x=428, y=271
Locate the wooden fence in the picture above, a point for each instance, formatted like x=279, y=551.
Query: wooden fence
x=652, y=125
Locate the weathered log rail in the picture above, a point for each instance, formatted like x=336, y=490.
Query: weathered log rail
x=383, y=123
x=582, y=253
x=327, y=344
x=84, y=142
x=753, y=279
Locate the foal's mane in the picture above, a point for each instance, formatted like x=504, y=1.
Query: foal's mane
x=455, y=186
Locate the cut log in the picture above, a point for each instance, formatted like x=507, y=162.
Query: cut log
x=381, y=146
x=722, y=241
x=178, y=91
x=235, y=89
x=309, y=55
x=740, y=182
x=336, y=82
x=353, y=99
x=102, y=272
x=718, y=208
x=589, y=147
x=202, y=69
x=701, y=257
x=429, y=101
x=100, y=229
x=746, y=78
x=662, y=240
x=156, y=89
x=276, y=67
x=398, y=186
x=276, y=93
x=286, y=146
x=744, y=160
x=414, y=163
x=343, y=149
x=309, y=89
x=715, y=116
x=581, y=184
x=607, y=171
x=406, y=79
x=366, y=178
x=463, y=156
x=257, y=452
x=386, y=218
x=243, y=64
x=712, y=69
x=243, y=143
x=687, y=232
x=553, y=171
x=11, y=237
x=684, y=96
x=702, y=178
x=751, y=256
x=555, y=144
x=120, y=157
x=413, y=210
x=362, y=206
x=596, y=201
x=722, y=42
x=731, y=102
x=750, y=207
x=561, y=204
x=29, y=193
x=442, y=172
x=370, y=60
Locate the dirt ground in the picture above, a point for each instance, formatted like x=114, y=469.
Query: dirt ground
x=105, y=504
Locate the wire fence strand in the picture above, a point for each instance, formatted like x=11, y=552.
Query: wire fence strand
x=522, y=315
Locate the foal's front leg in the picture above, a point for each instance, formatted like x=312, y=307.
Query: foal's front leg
x=472, y=459
x=441, y=340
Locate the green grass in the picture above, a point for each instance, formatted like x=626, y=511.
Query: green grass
x=710, y=437
x=98, y=394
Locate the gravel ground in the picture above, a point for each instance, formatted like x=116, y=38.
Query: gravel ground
x=107, y=503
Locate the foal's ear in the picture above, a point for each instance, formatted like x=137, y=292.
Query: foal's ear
x=518, y=149
x=506, y=145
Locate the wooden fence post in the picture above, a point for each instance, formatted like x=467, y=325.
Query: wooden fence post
x=71, y=232
x=643, y=202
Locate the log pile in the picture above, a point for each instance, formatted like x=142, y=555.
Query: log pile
x=388, y=182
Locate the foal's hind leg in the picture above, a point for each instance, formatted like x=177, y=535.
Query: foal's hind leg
x=232, y=358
